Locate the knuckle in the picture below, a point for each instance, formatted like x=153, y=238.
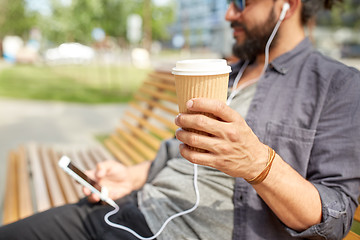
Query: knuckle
x=232, y=135
x=186, y=153
x=220, y=165
x=193, y=140
x=219, y=106
x=199, y=121
x=221, y=148
x=191, y=158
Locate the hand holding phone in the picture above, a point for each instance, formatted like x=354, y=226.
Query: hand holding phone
x=66, y=164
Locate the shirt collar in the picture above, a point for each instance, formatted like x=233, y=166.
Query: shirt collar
x=283, y=63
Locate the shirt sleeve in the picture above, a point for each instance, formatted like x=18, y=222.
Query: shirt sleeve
x=334, y=167
x=169, y=149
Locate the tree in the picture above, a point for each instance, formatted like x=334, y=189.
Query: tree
x=345, y=14
x=76, y=22
x=14, y=19
x=156, y=20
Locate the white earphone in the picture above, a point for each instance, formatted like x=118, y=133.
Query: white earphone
x=285, y=8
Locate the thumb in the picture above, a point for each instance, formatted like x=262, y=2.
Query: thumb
x=102, y=169
x=100, y=172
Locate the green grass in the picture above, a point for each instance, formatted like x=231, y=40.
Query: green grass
x=356, y=227
x=85, y=84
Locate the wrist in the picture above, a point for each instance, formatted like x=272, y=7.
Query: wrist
x=261, y=173
x=138, y=174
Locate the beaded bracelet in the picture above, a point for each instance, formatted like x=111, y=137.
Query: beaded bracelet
x=261, y=177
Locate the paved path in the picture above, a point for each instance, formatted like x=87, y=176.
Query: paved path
x=22, y=121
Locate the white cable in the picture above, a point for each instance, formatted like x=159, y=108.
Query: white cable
x=235, y=89
x=267, y=48
x=109, y=214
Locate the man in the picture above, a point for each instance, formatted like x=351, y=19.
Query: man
x=305, y=107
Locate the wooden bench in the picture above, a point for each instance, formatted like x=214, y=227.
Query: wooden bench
x=352, y=234
x=149, y=120
x=35, y=183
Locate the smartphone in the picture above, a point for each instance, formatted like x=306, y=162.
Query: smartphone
x=66, y=164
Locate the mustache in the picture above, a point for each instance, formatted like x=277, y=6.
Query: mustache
x=241, y=25
x=238, y=24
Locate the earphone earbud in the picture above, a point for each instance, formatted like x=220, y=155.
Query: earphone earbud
x=285, y=8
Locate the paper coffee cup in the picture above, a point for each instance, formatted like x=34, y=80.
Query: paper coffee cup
x=205, y=78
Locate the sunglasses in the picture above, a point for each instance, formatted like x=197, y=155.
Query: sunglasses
x=239, y=4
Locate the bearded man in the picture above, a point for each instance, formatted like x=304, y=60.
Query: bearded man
x=281, y=160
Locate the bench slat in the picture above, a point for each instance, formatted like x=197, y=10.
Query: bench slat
x=105, y=155
x=146, y=137
x=87, y=159
x=170, y=124
x=96, y=156
x=161, y=85
x=155, y=130
x=72, y=153
x=11, y=212
x=158, y=95
x=157, y=104
x=357, y=214
x=352, y=236
x=117, y=153
x=40, y=189
x=136, y=157
x=147, y=152
x=25, y=205
x=53, y=186
x=166, y=77
x=68, y=189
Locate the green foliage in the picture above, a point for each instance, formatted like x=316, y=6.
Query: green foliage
x=162, y=18
x=76, y=22
x=14, y=20
x=345, y=14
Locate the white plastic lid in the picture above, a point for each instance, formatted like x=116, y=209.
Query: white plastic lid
x=200, y=67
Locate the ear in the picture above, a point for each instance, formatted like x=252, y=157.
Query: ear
x=294, y=6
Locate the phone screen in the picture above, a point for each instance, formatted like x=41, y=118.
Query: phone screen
x=84, y=176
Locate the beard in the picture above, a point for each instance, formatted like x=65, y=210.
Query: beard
x=255, y=40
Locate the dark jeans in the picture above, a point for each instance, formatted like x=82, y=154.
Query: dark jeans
x=79, y=221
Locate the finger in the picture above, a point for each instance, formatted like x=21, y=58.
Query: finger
x=102, y=168
x=200, y=158
x=213, y=106
x=211, y=144
x=94, y=198
x=91, y=197
x=202, y=123
x=86, y=191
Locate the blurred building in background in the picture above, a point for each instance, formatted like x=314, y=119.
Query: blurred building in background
x=201, y=24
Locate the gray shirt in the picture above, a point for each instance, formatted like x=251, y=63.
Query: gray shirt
x=307, y=108
x=172, y=191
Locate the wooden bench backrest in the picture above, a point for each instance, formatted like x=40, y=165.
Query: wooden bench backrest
x=148, y=121
x=34, y=181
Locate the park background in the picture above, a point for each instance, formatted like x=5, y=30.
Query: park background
x=69, y=67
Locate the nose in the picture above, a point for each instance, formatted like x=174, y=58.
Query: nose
x=232, y=13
